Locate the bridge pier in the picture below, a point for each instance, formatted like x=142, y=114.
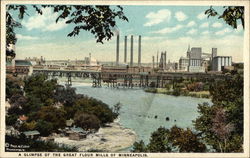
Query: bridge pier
x=69, y=81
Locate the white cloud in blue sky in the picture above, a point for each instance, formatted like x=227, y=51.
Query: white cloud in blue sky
x=44, y=22
x=217, y=25
x=23, y=37
x=192, y=31
x=204, y=25
x=180, y=16
x=169, y=28
x=191, y=23
x=201, y=16
x=158, y=17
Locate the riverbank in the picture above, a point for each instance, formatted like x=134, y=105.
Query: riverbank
x=200, y=94
x=112, y=138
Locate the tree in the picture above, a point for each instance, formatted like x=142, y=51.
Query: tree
x=13, y=86
x=97, y=108
x=139, y=147
x=230, y=15
x=99, y=20
x=66, y=96
x=223, y=120
x=52, y=115
x=44, y=127
x=87, y=121
x=159, y=141
x=37, y=86
x=171, y=140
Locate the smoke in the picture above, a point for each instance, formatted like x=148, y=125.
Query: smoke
x=116, y=31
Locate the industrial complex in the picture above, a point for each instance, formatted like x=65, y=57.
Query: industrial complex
x=194, y=61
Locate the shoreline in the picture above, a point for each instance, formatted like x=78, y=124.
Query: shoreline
x=112, y=138
x=200, y=94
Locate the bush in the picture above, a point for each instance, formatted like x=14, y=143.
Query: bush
x=11, y=120
x=176, y=92
x=45, y=128
x=86, y=121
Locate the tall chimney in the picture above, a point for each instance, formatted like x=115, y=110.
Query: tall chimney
x=125, y=49
x=131, y=51
x=139, y=51
x=165, y=59
x=153, y=58
x=117, y=50
x=157, y=59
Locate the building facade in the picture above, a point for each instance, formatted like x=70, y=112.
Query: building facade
x=219, y=62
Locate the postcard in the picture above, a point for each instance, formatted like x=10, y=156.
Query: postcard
x=124, y=78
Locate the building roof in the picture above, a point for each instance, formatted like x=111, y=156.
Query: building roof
x=31, y=133
x=22, y=63
x=23, y=118
x=77, y=130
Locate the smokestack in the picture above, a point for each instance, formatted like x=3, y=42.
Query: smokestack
x=153, y=58
x=157, y=59
x=131, y=51
x=139, y=51
x=165, y=59
x=125, y=49
x=117, y=50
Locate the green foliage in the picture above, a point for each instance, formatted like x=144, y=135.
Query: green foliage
x=97, y=108
x=176, y=92
x=159, y=141
x=221, y=125
x=13, y=86
x=66, y=96
x=52, y=115
x=173, y=140
x=230, y=15
x=36, y=86
x=86, y=121
x=28, y=126
x=139, y=147
x=44, y=127
x=11, y=120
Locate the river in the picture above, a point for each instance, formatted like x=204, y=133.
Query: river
x=139, y=109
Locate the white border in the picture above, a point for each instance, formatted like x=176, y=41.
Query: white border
x=149, y=2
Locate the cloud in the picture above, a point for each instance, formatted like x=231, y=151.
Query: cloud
x=45, y=22
x=168, y=29
x=192, y=31
x=180, y=16
x=201, y=16
x=23, y=37
x=158, y=17
x=224, y=31
x=191, y=23
x=205, y=32
x=217, y=25
x=205, y=24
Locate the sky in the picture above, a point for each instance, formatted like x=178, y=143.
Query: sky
x=163, y=28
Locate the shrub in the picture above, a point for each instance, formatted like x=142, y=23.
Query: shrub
x=86, y=121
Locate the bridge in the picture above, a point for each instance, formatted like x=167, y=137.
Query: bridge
x=130, y=80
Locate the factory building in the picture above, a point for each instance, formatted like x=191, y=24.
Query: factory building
x=183, y=64
x=193, y=62
x=220, y=62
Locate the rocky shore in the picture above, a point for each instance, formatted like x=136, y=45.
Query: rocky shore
x=112, y=138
